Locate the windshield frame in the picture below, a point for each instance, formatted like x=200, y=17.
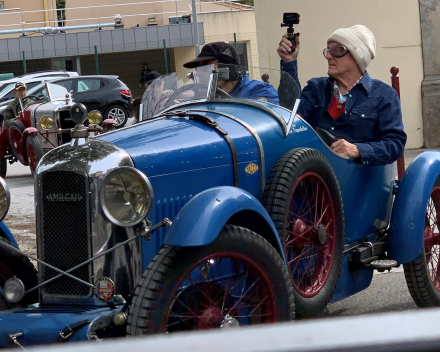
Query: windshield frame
x=51, y=94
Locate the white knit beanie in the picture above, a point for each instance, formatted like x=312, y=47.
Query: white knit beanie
x=359, y=41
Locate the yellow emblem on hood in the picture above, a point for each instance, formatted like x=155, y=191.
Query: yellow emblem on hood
x=251, y=168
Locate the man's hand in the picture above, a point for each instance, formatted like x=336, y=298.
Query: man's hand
x=344, y=148
x=285, y=49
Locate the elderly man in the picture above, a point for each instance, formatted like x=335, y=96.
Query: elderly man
x=364, y=113
x=14, y=107
x=240, y=86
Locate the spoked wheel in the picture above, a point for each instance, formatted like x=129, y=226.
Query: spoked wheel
x=16, y=129
x=34, y=151
x=310, y=234
x=239, y=279
x=13, y=264
x=423, y=274
x=304, y=200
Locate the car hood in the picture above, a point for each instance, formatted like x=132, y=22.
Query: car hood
x=170, y=145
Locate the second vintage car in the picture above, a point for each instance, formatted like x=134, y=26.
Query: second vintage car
x=42, y=126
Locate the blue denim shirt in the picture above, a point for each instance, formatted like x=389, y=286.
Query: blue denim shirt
x=247, y=89
x=372, y=118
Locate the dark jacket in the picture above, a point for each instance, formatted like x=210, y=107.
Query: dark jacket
x=13, y=109
x=372, y=118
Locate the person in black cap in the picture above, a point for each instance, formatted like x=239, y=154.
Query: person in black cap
x=240, y=86
x=15, y=106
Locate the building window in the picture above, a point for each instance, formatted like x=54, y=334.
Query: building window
x=2, y=5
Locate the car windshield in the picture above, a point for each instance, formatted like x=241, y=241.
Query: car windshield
x=56, y=92
x=47, y=91
x=278, y=91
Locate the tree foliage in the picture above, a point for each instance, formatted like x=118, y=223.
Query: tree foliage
x=61, y=4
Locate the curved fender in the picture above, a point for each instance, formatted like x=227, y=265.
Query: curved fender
x=26, y=133
x=6, y=233
x=200, y=220
x=408, y=217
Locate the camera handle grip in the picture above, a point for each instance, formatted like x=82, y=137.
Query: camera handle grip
x=292, y=38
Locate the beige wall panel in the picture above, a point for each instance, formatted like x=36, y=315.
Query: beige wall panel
x=395, y=23
x=221, y=26
x=227, y=22
x=31, y=19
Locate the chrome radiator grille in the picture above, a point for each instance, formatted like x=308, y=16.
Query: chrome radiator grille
x=65, y=231
x=66, y=123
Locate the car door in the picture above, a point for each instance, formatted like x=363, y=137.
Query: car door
x=91, y=92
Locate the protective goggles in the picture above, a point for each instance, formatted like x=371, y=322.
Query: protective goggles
x=336, y=51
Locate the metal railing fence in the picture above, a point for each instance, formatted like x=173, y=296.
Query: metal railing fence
x=127, y=63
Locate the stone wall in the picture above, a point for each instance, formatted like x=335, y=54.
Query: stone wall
x=430, y=26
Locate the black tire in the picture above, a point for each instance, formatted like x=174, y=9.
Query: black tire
x=304, y=201
x=161, y=292
x=14, y=264
x=3, y=167
x=422, y=274
x=34, y=151
x=17, y=128
x=117, y=113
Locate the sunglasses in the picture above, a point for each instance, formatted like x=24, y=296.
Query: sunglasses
x=336, y=51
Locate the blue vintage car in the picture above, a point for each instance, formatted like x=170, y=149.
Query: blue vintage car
x=213, y=212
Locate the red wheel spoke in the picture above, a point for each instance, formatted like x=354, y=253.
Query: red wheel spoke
x=241, y=297
x=432, y=237
x=207, y=296
x=309, y=261
x=299, y=256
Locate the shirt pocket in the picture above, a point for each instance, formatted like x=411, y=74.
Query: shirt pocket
x=362, y=122
x=318, y=110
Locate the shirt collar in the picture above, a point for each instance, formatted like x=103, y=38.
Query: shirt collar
x=365, y=81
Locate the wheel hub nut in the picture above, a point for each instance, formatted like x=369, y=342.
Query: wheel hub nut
x=321, y=232
x=229, y=323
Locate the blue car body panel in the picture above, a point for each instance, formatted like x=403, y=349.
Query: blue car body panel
x=42, y=325
x=7, y=233
x=408, y=218
x=201, y=219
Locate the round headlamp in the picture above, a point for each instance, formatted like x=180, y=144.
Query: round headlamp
x=5, y=199
x=78, y=113
x=46, y=122
x=95, y=117
x=14, y=290
x=126, y=196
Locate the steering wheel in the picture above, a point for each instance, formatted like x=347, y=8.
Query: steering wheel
x=196, y=86
x=37, y=97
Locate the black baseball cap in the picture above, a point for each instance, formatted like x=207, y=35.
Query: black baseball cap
x=19, y=85
x=224, y=52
